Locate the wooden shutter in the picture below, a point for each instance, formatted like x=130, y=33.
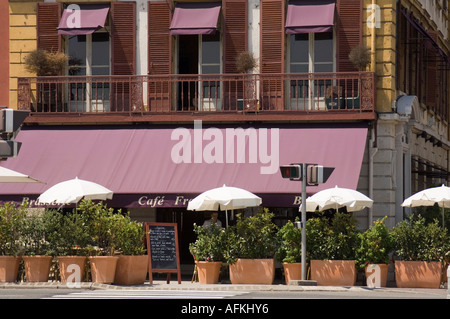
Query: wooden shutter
x=123, y=38
x=235, y=37
x=48, y=16
x=272, y=52
x=349, y=32
x=159, y=54
x=235, y=32
x=123, y=56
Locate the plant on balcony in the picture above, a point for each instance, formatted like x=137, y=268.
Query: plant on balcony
x=245, y=64
x=360, y=57
x=45, y=63
x=420, y=248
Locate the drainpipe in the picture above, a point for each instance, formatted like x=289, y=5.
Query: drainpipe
x=373, y=38
x=372, y=151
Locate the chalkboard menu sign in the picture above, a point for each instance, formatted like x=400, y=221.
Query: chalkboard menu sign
x=162, y=244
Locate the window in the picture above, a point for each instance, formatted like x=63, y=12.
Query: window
x=90, y=56
x=309, y=53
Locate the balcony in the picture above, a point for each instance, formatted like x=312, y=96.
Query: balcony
x=218, y=97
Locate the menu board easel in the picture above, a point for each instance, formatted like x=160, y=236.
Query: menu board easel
x=162, y=247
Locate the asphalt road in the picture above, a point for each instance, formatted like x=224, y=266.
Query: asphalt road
x=49, y=293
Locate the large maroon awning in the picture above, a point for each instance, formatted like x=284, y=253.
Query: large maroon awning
x=195, y=18
x=83, y=19
x=168, y=165
x=310, y=16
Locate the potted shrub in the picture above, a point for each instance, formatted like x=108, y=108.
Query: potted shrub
x=102, y=229
x=11, y=222
x=70, y=241
x=208, y=251
x=331, y=249
x=38, y=250
x=250, y=249
x=132, y=265
x=245, y=64
x=47, y=63
x=421, y=249
x=289, y=251
x=373, y=251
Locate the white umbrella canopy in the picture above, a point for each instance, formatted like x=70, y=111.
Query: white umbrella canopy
x=335, y=198
x=9, y=176
x=225, y=198
x=429, y=197
x=72, y=191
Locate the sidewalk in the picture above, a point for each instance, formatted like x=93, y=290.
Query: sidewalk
x=188, y=285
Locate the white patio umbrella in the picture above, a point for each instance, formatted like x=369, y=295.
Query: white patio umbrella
x=9, y=176
x=72, y=191
x=225, y=198
x=428, y=197
x=335, y=198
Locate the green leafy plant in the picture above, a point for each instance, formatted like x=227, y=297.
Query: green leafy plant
x=290, y=247
x=103, y=227
x=39, y=229
x=415, y=239
x=333, y=239
x=130, y=236
x=375, y=245
x=11, y=227
x=69, y=234
x=210, y=243
x=253, y=237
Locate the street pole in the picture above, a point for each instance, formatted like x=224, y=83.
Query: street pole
x=303, y=260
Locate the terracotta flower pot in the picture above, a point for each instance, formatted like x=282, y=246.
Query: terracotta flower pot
x=37, y=268
x=253, y=271
x=131, y=270
x=72, y=268
x=374, y=270
x=103, y=268
x=333, y=272
x=292, y=271
x=418, y=274
x=9, y=268
x=208, y=272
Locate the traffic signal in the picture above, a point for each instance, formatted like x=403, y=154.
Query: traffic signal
x=9, y=148
x=317, y=174
x=293, y=172
x=10, y=123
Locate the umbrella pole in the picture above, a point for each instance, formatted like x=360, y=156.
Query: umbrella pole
x=226, y=218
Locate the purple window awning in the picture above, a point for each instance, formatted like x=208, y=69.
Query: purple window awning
x=154, y=163
x=310, y=16
x=83, y=19
x=195, y=18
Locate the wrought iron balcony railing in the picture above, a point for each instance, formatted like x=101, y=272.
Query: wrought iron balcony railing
x=309, y=92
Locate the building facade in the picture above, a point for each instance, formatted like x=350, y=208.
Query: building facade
x=152, y=104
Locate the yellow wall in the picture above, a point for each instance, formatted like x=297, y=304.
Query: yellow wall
x=384, y=52
x=22, y=32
